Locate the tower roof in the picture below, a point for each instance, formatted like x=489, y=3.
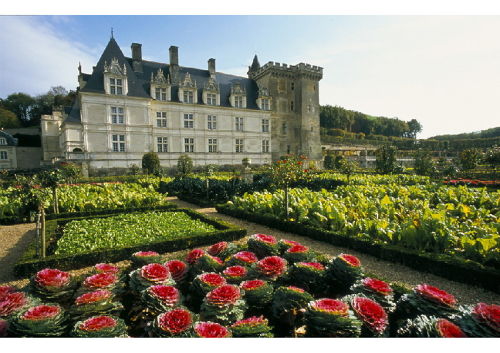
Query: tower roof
x=255, y=64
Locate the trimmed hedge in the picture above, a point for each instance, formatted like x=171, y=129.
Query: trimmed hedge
x=446, y=266
x=29, y=264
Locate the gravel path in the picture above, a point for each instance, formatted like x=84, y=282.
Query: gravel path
x=14, y=239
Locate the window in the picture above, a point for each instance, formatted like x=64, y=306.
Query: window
x=284, y=129
x=239, y=145
x=265, y=146
x=116, y=85
x=3, y=155
x=212, y=145
x=265, y=104
x=161, y=93
x=188, y=97
x=239, y=124
x=292, y=85
x=238, y=101
x=161, y=119
x=291, y=106
x=265, y=125
x=188, y=121
x=162, y=144
x=117, y=116
x=212, y=122
x=211, y=99
x=189, y=144
x=3, y=141
x=288, y=149
x=118, y=143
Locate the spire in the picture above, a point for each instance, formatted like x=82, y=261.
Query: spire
x=112, y=37
x=79, y=68
x=255, y=63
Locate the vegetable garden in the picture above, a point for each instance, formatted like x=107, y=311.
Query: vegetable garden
x=262, y=288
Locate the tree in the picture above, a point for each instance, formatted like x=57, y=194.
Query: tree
x=287, y=170
x=151, y=162
x=386, y=161
x=20, y=104
x=8, y=119
x=423, y=163
x=348, y=168
x=51, y=179
x=184, y=165
x=468, y=159
x=414, y=128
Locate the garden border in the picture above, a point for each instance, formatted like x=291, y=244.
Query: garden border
x=464, y=271
x=27, y=264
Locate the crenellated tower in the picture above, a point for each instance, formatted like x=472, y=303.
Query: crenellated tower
x=295, y=106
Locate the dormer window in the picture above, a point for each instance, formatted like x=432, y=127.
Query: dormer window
x=238, y=102
x=188, y=90
x=160, y=86
x=3, y=141
x=115, y=78
x=211, y=92
x=188, y=97
x=211, y=98
x=238, y=97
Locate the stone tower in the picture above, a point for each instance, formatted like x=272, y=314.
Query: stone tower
x=295, y=106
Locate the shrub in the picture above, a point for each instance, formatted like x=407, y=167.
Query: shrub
x=151, y=162
x=184, y=165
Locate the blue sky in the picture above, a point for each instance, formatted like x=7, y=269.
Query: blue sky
x=442, y=70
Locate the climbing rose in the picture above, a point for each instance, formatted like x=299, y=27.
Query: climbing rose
x=155, y=272
x=41, y=312
x=224, y=295
x=448, y=329
x=194, y=255
x=435, y=294
x=100, y=280
x=52, y=278
x=377, y=286
x=175, y=321
x=217, y=248
x=97, y=323
x=371, y=313
x=93, y=297
x=210, y=330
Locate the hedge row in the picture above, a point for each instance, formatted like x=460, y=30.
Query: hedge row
x=446, y=266
x=29, y=263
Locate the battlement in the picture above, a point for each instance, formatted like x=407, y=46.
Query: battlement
x=301, y=68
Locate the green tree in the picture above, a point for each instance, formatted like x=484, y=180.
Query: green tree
x=184, y=165
x=414, y=128
x=469, y=159
x=386, y=162
x=8, y=119
x=348, y=168
x=151, y=162
x=51, y=179
x=328, y=162
x=423, y=163
x=20, y=104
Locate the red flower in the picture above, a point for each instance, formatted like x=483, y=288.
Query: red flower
x=298, y=249
x=5, y=290
x=217, y=248
x=264, y=238
x=448, y=329
x=106, y=268
x=251, y=321
x=175, y=321
x=97, y=323
x=165, y=293
x=235, y=271
x=253, y=284
x=41, y=312
x=435, y=294
x=224, y=295
x=145, y=253
x=246, y=256
x=11, y=302
x=212, y=279
x=93, y=297
x=210, y=330
x=490, y=314
x=178, y=269
x=350, y=260
x=100, y=280
x=376, y=285
x=155, y=272
x=272, y=266
x=52, y=278
x=315, y=265
x=371, y=313
x=194, y=255
x=331, y=306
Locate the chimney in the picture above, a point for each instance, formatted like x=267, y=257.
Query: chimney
x=136, y=51
x=211, y=67
x=174, y=55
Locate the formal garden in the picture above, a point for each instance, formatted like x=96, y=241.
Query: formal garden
x=113, y=257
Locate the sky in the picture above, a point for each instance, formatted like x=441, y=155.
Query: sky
x=443, y=71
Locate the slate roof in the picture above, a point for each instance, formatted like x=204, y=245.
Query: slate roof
x=139, y=82
x=11, y=141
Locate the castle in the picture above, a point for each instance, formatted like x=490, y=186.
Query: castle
x=129, y=106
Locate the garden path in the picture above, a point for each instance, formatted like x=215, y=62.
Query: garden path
x=389, y=271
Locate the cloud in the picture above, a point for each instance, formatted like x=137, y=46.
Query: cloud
x=35, y=56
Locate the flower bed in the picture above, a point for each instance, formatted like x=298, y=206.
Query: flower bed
x=172, y=299
x=179, y=239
